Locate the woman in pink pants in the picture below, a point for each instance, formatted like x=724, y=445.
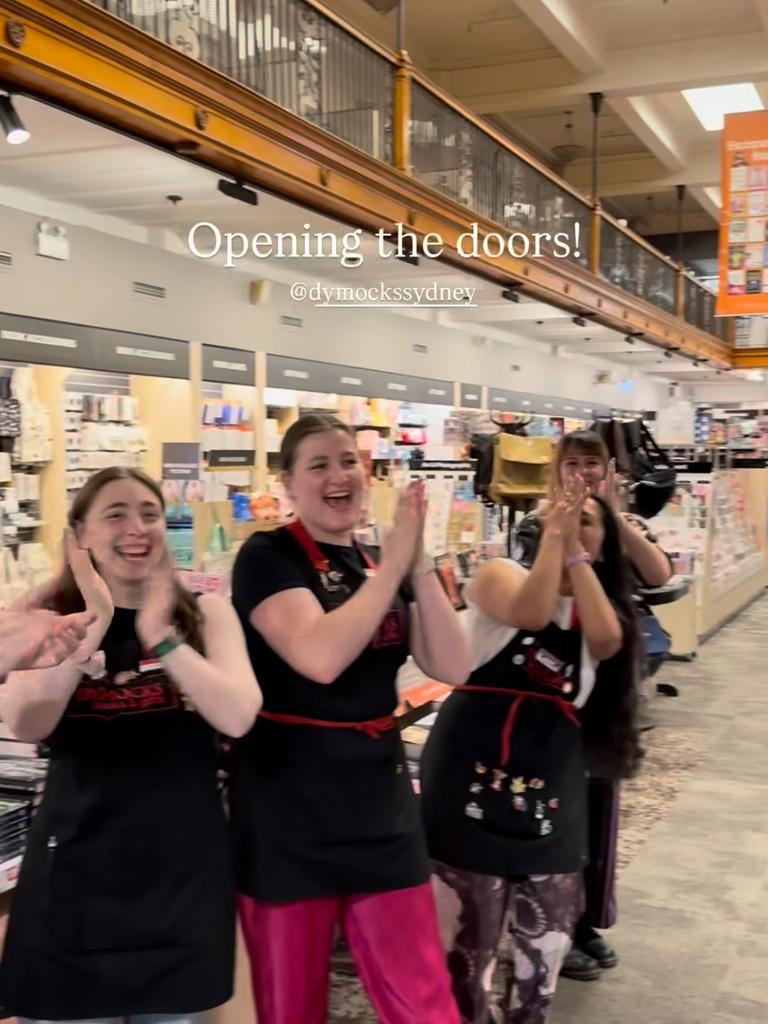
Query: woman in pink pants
x=326, y=824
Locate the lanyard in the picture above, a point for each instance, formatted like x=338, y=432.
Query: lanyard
x=329, y=578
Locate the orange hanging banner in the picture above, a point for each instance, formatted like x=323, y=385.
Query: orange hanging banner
x=743, y=251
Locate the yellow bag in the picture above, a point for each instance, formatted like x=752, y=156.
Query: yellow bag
x=520, y=467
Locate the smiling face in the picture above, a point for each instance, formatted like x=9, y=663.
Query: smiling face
x=326, y=484
x=590, y=468
x=124, y=529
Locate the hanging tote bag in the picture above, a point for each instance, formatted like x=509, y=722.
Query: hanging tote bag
x=520, y=467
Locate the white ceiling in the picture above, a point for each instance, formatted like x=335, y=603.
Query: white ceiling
x=81, y=173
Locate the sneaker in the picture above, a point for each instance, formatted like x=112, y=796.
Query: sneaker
x=602, y=952
x=580, y=966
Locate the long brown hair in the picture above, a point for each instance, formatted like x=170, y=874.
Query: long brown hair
x=306, y=426
x=579, y=442
x=67, y=597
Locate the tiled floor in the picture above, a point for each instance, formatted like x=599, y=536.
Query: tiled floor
x=694, y=894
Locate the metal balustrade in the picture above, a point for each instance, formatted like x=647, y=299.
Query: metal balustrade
x=296, y=55
x=285, y=50
x=450, y=153
x=629, y=264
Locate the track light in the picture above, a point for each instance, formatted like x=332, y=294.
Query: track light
x=669, y=354
x=237, y=190
x=580, y=321
x=630, y=338
x=511, y=294
x=412, y=261
x=11, y=123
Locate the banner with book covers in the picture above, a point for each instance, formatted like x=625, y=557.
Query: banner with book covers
x=743, y=256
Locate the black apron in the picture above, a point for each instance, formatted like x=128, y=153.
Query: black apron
x=126, y=900
x=322, y=803
x=503, y=778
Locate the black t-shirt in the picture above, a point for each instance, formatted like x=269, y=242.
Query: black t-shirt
x=321, y=811
x=126, y=900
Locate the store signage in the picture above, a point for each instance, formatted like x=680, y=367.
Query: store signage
x=144, y=353
x=228, y=365
x=181, y=460
x=335, y=379
x=38, y=339
x=135, y=353
x=232, y=459
x=743, y=284
x=56, y=343
x=471, y=396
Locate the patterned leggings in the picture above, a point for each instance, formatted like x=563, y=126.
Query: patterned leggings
x=473, y=909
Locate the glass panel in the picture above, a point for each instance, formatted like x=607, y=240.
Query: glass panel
x=288, y=52
x=451, y=154
x=635, y=269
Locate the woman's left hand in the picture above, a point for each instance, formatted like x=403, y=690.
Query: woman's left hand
x=612, y=488
x=155, y=619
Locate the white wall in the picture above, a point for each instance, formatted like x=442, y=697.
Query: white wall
x=210, y=304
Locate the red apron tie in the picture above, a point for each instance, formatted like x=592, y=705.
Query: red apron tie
x=375, y=727
x=520, y=695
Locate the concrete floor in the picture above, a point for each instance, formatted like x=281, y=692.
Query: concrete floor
x=693, y=904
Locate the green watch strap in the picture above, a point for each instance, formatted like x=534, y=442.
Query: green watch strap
x=170, y=643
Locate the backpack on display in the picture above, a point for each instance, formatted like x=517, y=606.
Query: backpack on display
x=520, y=467
x=481, y=450
x=638, y=458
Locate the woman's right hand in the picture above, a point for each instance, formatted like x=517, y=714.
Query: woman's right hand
x=563, y=516
x=401, y=546
x=95, y=592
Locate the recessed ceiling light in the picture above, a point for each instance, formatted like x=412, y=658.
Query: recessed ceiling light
x=712, y=103
x=526, y=403
x=569, y=408
x=588, y=410
x=547, y=405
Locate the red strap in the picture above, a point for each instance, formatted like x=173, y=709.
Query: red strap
x=509, y=724
x=375, y=728
x=309, y=546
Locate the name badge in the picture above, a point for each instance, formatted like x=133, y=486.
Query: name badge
x=549, y=661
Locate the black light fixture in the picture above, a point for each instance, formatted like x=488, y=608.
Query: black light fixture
x=580, y=321
x=632, y=336
x=237, y=190
x=10, y=122
x=511, y=293
x=670, y=352
x=412, y=261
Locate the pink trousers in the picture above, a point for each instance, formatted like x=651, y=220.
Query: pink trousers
x=393, y=938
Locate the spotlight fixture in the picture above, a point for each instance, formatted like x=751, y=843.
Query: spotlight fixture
x=512, y=293
x=237, y=190
x=669, y=354
x=412, y=261
x=580, y=321
x=632, y=336
x=11, y=123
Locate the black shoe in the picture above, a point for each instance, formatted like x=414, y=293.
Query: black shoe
x=580, y=966
x=602, y=952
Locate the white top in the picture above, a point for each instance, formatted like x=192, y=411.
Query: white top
x=488, y=636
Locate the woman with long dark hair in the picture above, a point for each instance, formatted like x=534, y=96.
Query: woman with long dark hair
x=583, y=453
x=125, y=908
x=327, y=826
x=504, y=772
